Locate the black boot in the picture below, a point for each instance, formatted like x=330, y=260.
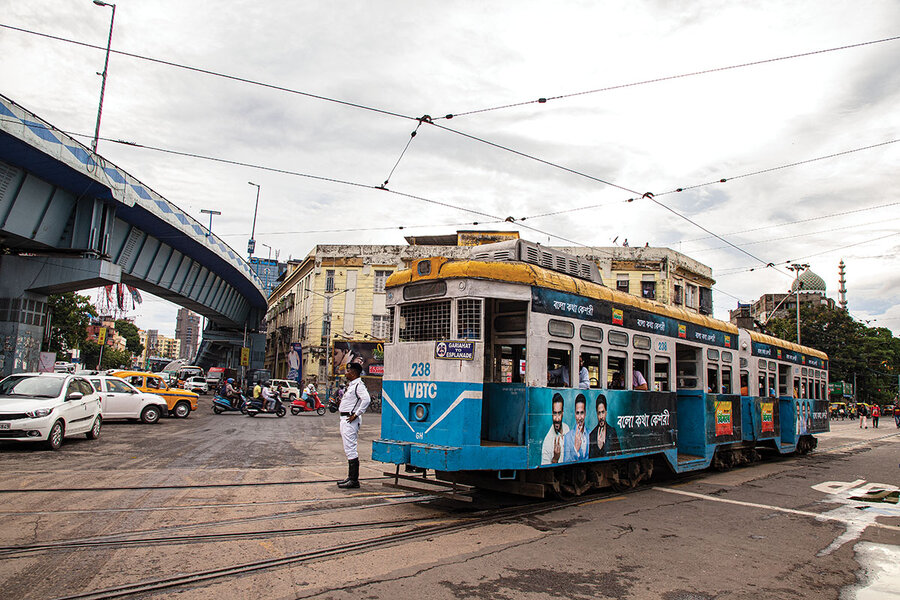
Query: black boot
x=352, y=480
x=345, y=481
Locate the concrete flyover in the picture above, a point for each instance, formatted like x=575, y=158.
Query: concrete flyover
x=70, y=220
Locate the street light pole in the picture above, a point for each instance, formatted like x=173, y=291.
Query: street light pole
x=210, y=213
x=798, y=268
x=105, y=70
x=251, y=245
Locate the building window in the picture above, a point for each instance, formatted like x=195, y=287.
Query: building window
x=380, y=280
x=622, y=284
x=329, y=280
x=380, y=325
x=648, y=290
x=690, y=299
x=677, y=295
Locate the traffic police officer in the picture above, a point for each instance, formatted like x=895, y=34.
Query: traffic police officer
x=354, y=403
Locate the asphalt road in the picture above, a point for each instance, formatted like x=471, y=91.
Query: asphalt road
x=784, y=528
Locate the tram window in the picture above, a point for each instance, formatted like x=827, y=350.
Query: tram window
x=726, y=380
x=686, y=359
x=762, y=365
x=641, y=342
x=640, y=366
x=745, y=383
x=559, y=328
x=508, y=323
x=804, y=388
x=773, y=366
x=425, y=321
x=712, y=354
x=590, y=333
x=559, y=368
x=762, y=385
x=773, y=391
x=615, y=372
x=744, y=363
x=617, y=338
x=726, y=356
x=712, y=379
x=796, y=390
x=590, y=360
x=661, y=374
x=468, y=319
x=509, y=363
x=429, y=289
x=804, y=372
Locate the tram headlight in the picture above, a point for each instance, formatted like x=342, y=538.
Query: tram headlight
x=420, y=412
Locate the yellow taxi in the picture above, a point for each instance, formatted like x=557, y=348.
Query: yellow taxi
x=179, y=402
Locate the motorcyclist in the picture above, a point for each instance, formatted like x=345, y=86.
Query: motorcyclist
x=229, y=392
x=268, y=398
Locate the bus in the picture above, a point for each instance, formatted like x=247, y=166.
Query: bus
x=518, y=370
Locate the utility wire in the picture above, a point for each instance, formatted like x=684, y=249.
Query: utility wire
x=737, y=270
x=544, y=100
x=213, y=73
x=797, y=235
x=773, y=226
x=405, y=148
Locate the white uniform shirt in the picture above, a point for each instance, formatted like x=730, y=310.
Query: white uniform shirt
x=356, y=398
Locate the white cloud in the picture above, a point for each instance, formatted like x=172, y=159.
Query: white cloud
x=434, y=58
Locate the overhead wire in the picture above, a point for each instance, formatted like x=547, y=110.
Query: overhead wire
x=210, y=72
x=544, y=100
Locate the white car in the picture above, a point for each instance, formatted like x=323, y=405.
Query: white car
x=196, y=384
x=121, y=400
x=291, y=388
x=46, y=407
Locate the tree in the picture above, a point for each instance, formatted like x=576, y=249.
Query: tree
x=129, y=331
x=70, y=315
x=871, y=354
x=112, y=358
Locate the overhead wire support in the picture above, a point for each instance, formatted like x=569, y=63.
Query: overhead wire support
x=544, y=100
x=422, y=119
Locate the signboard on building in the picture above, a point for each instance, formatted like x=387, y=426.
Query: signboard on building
x=369, y=355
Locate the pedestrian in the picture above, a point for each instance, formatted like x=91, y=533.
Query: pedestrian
x=876, y=412
x=862, y=416
x=897, y=414
x=354, y=403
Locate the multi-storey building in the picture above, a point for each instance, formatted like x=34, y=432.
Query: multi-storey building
x=768, y=306
x=337, y=291
x=113, y=339
x=187, y=330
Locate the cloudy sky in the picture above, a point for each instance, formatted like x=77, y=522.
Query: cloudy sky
x=353, y=77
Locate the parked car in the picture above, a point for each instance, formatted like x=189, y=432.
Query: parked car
x=121, y=400
x=180, y=403
x=196, y=384
x=63, y=367
x=47, y=407
x=291, y=388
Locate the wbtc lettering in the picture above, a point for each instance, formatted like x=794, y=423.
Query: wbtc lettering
x=420, y=390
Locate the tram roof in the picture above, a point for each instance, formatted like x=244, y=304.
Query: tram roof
x=528, y=274
x=780, y=343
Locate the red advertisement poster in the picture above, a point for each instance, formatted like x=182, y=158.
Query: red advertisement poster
x=723, y=418
x=768, y=417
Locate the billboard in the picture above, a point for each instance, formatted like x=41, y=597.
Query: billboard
x=295, y=366
x=369, y=355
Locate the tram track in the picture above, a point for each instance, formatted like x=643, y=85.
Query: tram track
x=124, y=537
x=475, y=520
x=176, y=487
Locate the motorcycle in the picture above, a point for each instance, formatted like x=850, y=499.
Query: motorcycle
x=222, y=404
x=308, y=403
x=257, y=406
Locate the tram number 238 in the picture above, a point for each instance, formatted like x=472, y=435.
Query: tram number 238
x=422, y=369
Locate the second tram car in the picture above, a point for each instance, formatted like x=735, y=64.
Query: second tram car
x=519, y=371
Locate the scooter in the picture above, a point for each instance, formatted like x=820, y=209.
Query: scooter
x=256, y=406
x=308, y=403
x=222, y=404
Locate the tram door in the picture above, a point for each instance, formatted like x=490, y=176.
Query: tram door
x=504, y=399
x=691, y=410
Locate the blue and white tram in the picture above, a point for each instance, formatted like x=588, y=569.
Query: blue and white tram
x=518, y=370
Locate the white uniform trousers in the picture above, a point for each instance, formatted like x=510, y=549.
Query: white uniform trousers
x=350, y=437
